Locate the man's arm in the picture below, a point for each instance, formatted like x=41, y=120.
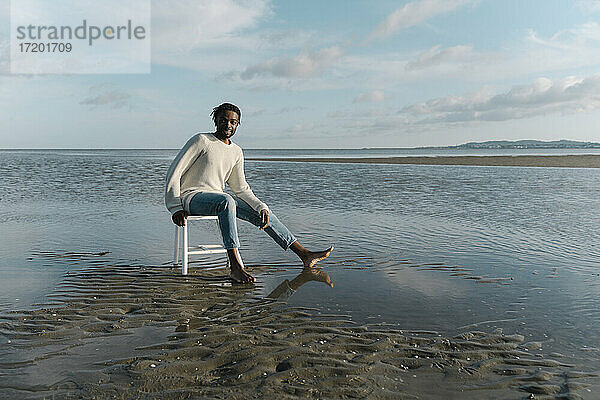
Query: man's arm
x=239, y=186
x=180, y=164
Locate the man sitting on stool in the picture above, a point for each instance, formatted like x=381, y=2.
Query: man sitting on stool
x=195, y=183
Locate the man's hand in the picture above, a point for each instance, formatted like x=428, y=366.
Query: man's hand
x=264, y=219
x=179, y=218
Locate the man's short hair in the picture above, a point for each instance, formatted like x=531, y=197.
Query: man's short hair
x=225, y=107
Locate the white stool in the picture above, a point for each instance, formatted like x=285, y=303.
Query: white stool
x=187, y=250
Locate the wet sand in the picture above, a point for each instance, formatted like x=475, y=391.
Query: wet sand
x=567, y=161
x=117, y=331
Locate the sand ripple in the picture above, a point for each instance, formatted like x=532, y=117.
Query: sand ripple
x=129, y=332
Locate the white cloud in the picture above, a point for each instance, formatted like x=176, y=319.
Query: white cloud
x=534, y=55
x=588, y=6
x=303, y=65
x=183, y=25
x=206, y=35
x=313, y=63
x=579, y=35
x=412, y=14
x=434, y=56
x=543, y=96
x=374, y=96
x=304, y=127
x=100, y=95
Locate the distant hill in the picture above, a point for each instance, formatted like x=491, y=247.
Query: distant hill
x=506, y=144
x=527, y=144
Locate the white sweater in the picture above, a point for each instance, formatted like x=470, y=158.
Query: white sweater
x=204, y=164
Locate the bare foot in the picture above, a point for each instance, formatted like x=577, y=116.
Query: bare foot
x=239, y=275
x=310, y=258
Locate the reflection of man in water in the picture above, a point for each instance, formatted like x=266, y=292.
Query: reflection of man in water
x=287, y=288
x=282, y=293
x=195, y=184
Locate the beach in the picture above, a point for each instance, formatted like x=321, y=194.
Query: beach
x=124, y=332
x=447, y=282
x=381, y=200
x=564, y=161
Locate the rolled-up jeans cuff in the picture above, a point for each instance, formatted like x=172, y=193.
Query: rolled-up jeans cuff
x=289, y=243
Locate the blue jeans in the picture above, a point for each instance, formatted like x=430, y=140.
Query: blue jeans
x=227, y=207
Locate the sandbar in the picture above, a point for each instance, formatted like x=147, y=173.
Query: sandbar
x=565, y=161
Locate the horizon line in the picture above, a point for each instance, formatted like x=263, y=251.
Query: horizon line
x=301, y=148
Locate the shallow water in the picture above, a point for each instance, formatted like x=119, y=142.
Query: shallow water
x=437, y=248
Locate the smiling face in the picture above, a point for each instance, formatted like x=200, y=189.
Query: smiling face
x=226, y=124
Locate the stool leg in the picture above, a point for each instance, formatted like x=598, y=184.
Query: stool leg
x=176, y=246
x=184, y=261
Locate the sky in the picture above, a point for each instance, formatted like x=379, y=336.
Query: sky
x=328, y=74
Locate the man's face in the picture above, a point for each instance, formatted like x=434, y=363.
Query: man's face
x=227, y=123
